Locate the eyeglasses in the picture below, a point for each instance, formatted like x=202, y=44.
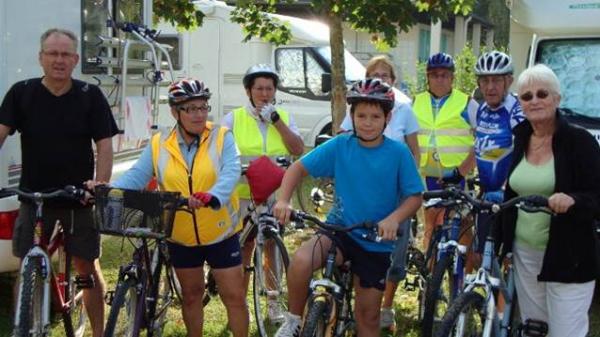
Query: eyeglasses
x=381, y=76
x=540, y=94
x=443, y=76
x=190, y=109
x=56, y=54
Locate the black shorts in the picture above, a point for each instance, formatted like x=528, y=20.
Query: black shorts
x=220, y=255
x=370, y=267
x=81, y=239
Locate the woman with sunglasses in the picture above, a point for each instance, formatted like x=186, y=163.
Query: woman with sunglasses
x=555, y=257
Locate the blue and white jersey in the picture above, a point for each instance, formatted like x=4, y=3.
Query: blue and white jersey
x=494, y=141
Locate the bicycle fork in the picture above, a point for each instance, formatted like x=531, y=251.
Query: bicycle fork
x=36, y=253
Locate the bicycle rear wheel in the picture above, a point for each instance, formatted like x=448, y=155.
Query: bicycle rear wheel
x=77, y=314
x=124, y=319
x=466, y=316
x=29, y=321
x=440, y=292
x=317, y=318
x=270, y=286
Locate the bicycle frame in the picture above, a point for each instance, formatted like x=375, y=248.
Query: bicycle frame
x=55, y=285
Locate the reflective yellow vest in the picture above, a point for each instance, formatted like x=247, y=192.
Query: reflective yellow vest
x=251, y=145
x=172, y=174
x=453, y=136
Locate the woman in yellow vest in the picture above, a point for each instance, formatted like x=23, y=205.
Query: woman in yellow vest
x=260, y=129
x=200, y=160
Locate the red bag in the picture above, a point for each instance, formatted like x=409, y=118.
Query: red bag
x=264, y=177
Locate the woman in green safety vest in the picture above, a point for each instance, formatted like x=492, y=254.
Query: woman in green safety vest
x=259, y=128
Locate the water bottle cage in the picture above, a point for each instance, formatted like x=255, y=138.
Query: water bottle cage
x=85, y=282
x=533, y=328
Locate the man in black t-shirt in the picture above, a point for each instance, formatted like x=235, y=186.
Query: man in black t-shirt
x=58, y=119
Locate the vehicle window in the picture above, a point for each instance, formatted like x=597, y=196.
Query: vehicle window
x=577, y=65
x=290, y=65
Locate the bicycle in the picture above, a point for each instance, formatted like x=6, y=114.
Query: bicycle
x=269, y=283
x=38, y=280
x=474, y=312
x=143, y=292
x=316, y=195
x=328, y=310
x=449, y=256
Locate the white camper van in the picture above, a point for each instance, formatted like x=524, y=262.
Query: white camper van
x=565, y=35
x=216, y=54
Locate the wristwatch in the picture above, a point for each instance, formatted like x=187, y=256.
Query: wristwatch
x=274, y=116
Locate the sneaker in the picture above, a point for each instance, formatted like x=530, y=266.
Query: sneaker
x=275, y=311
x=290, y=327
x=387, y=319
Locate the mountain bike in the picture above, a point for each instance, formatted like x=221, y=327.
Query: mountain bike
x=269, y=282
x=146, y=286
x=474, y=312
x=328, y=310
x=446, y=255
x=38, y=280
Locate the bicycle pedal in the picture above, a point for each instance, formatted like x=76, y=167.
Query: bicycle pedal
x=109, y=296
x=533, y=328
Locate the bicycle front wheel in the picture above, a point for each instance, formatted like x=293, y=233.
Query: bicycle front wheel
x=163, y=294
x=124, y=319
x=440, y=292
x=317, y=321
x=270, y=285
x=29, y=322
x=466, y=317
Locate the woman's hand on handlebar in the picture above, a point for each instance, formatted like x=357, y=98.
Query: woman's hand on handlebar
x=194, y=203
x=560, y=202
x=282, y=211
x=387, y=229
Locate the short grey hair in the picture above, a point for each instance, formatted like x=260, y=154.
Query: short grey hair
x=539, y=74
x=64, y=32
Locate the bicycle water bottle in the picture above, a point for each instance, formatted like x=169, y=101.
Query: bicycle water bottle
x=113, y=210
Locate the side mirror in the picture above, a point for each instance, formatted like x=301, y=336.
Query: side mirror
x=325, y=82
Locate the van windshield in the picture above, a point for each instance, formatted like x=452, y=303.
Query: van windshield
x=354, y=69
x=576, y=63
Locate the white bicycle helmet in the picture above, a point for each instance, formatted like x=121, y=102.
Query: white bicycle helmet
x=493, y=63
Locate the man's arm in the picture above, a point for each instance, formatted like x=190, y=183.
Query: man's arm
x=413, y=145
x=292, y=141
x=104, y=160
x=4, y=132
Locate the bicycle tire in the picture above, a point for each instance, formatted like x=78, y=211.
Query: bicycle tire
x=162, y=292
x=265, y=325
x=210, y=287
x=77, y=315
x=125, y=315
x=315, y=323
x=459, y=316
x=433, y=306
x=31, y=306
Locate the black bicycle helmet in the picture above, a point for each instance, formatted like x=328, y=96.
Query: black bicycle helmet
x=440, y=60
x=187, y=89
x=372, y=90
x=494, y=63
x=260, y=70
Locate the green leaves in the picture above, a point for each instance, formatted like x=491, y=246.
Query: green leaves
x=255, y=22
x=180, y=13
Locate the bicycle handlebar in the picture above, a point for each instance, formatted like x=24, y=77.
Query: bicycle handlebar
x=130, y=27
x=529, y=203
x=68, y=191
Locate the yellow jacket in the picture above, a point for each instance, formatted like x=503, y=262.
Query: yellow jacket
x=173, y=174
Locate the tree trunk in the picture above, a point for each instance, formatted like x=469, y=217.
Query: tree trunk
x=338, y=78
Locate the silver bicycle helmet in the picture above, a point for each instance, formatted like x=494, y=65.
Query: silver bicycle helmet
x=494, y=63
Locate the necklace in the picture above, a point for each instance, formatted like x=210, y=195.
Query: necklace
x=543, y=142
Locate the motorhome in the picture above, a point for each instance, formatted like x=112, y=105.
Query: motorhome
x=565, y=36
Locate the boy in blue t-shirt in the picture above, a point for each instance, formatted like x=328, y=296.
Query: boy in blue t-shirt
x=376, y=180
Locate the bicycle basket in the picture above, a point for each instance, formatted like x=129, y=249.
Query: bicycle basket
x=117, y=210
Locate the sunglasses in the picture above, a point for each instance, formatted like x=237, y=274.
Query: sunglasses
x=540, y=94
